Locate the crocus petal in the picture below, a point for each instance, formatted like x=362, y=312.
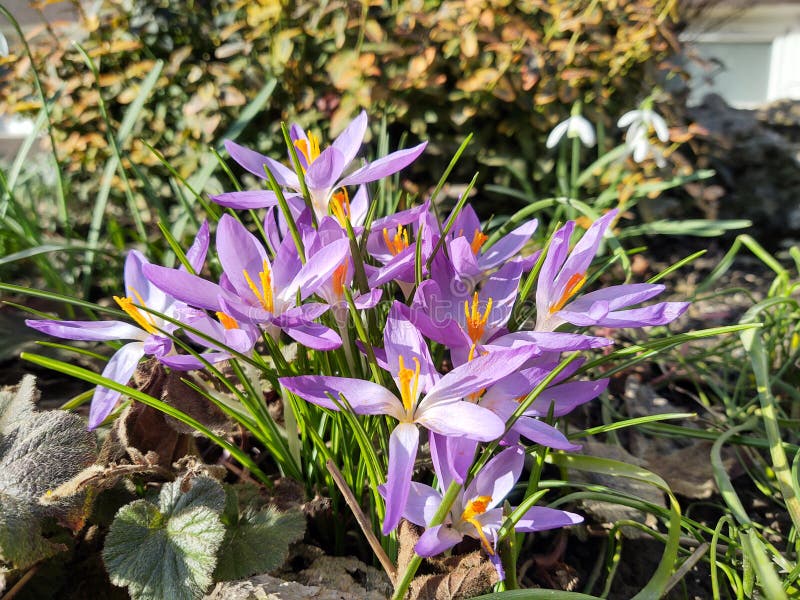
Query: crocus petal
x=657, y=314
x=359, y=206
x=349, y=141
x=325, y=170
x=299, y=314
x=403, y=444
x=185, y=287
x=287, y=264
x=585, y=250
x=368, y=300
x=246, y=200
x=365, y=397
x=436, y=540
x=463, y=259
x=498, y=477
x=617, y=296
x=254, y=162
x=557, y=133
x=423, y=501
x=187, y=362
x=507, y=246
x=502, y=288
x=452, y=457
x=543, y=434
x=196, y=254
x=477, y=374
x=461, y=418
x=402, y=339
x=552, y=341
x=565, y=397
x=239, y=251
x=400, y=268
x=385, y=166
x=546, y=291
x=314, y=335
x=138, y=286
x=433, y=321
x=541, y=518
x=317, y=270
x=119, y=368
x=89, y=331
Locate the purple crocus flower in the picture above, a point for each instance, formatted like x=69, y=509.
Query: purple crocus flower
x=393, y=243
x=467, y=250
x=332, y=290
x=324, y=169
x=453, y=457
x=563, y=275
x=426, y=399
x=147, y=333
x=449, y=310
x=232, y=335
x=477, y=511
x=253, y=290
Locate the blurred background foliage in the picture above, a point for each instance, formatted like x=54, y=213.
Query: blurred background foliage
x=505, y=70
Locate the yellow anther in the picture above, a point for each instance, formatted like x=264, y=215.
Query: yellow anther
x=574, y=284
x=477, y=506
x=145, y=321
x=409, y=384
x=340, y=206
x=399, y=242
x=264, y=294
x=478, y=240
x=475, y=321
x=310, y=149
x=228, y=322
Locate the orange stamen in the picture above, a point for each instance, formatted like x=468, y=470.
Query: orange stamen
x=340, y=206
x=408, y=393
x=310, y=149
x=476, y=323
x=264, y=294
x=475, y=507
x=228, y=322
x=399, y=242
x=145, y=321
x=574, y=284
x=478, y=240
x=339, y=276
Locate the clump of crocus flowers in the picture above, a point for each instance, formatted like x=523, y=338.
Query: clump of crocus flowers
x=416, y=328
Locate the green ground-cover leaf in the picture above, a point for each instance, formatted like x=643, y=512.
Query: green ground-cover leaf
x=258, y=543
x=169, y=550
x=38, y=452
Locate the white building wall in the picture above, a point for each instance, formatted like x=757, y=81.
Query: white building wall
x=752, y=56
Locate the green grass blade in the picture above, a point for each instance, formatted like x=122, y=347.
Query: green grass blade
x=660, y=579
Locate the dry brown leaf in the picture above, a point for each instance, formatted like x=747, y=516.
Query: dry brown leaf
x=467, y=576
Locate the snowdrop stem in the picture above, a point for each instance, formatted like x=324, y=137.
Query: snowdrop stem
x=444, y=508
x=575, y=165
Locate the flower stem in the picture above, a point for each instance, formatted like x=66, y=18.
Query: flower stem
x=444, y=508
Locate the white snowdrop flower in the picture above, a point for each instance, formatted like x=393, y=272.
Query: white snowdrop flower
x=640, y=147
x=637, y=138
x=3, y=46
x=574, y=126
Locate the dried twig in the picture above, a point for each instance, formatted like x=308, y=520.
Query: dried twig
x=363, y=522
